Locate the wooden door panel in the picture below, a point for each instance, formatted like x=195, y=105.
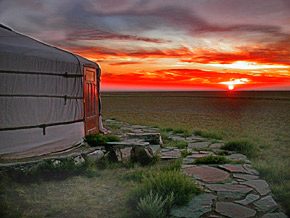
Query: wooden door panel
x=91, y=101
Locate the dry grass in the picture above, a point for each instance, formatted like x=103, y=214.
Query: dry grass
x=103, y=196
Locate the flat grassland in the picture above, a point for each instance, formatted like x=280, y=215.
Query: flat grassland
x=260, y=117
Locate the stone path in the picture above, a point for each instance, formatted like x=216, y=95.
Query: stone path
x=230, y=190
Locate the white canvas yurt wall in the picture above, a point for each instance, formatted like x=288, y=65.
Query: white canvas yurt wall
x=41, y=96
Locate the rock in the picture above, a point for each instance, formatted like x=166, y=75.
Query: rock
x=275, y=215
x=96, y=155
x=198, y=206
x=177, y=138
x=126, y=153
x=229, y=190
x=118, y=154
x=152, y=138
x=188, y=160
x=194, y=156
x=234, y=210
x=261, y=186
x=172, y=154
x=250, y=170
x=195, y=138
x=233, y=168
x=155, y=149
x=216, y=145
x=138, y=127
x=236, y=157
x=207, y=152
x=249, y=199
x=129, y=143
x=141, y=155
x=79, y=160
x=266, y=204
x=245, y=176
x=55, y=163
x=198, y=144
x=207, y=174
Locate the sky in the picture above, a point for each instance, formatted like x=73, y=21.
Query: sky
x=167, y=44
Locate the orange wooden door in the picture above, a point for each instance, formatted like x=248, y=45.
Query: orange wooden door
x=91, y=100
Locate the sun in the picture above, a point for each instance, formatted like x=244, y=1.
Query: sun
x=230, y=87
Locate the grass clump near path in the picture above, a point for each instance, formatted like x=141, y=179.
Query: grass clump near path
x=243, y=146
x=212, y=160
x=100, y=140
x=210, y=135
x=154, y=206
x=163, y=184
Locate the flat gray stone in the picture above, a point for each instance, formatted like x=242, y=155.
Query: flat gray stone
x=188, y=161
x=216, y=145
x=266, y=204
x=275, y=215
x=96, y=155
x=261, y=186
x=236, y=157
x=152, y=138
x=233, y=168
x=194, y=156
x=229, y=190
x=177, y=138
x=198, y=206
x=198, y=144
x=128, y=143
x=207, y=174
x=173, y=154
x=250, y=169
x=234, y=210
x=207, y=152
x=249, y=199
x=194, y=138
x=245, y=176
x=138, y=127
x=155, y=149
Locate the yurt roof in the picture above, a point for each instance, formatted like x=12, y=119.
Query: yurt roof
x=17, y=51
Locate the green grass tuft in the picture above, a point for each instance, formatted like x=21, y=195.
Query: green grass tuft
x=100, y=140
x=243, y=146
x=164, y=183
x=185, y=153
x=155, y=206
x=181, y=144
x=206, y=134
x=212, y=160
x=173, y=166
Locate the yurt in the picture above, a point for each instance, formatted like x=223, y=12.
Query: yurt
x=49, y=98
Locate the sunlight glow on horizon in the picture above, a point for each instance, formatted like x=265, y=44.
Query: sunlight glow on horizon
x=243, y=65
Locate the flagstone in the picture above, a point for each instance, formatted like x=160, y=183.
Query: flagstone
x=245, y=176
x=207, y=174
x=198, y=206
x=266, y=204
x=234, y=210
x=236, y=157
x=198, y=144
x=233, y=168
x=249, y=199
x=229, y=190
x=216, y=145
x=275, y=215
x=261, y=186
